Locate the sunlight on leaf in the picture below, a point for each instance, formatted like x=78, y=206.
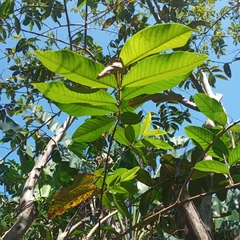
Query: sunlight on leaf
x=211, y=166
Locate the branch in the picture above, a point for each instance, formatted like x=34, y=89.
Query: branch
x=97, y=225
x=68, y=24
x=28, y=205
x=156, y=215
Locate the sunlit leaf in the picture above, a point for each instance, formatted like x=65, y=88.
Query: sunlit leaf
x=93, y=128
x=234, y=156
x=76, y=68
x=60, y=93
x=161, y=68
x=211, y=166
x=146, y=123
x=203, y=137
x=154, y=40
x=71, y=196
x=211, y=108
x=80, y=109
x=156, y=143
x=154, y=132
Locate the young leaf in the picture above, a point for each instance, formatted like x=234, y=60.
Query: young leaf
x=154, y=132
x=154, y=40
x=146, y=123
x=235, y=128
x=76, y=68
x=81, y=109
x=162, y=68
x=234, y=156
x=156, y=143
x=60, y=93
x=93, y=128
x=211, y=166
x=71, y=196
x=211, y=108
x=129, y=174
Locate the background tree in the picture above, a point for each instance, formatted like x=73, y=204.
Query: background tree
x=109, y=169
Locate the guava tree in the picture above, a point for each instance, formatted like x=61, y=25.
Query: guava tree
x=119, y=176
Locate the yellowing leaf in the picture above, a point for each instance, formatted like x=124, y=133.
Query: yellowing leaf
x=109, y=22
x=68, y=197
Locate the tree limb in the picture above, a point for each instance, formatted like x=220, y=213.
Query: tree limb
x=28, y=205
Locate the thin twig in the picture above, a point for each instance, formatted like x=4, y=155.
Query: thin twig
x=26, y=138
x=68, y=24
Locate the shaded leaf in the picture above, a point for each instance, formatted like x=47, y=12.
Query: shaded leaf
x=227, y=70
x=211, y=166
x=120, y=137
x=93, y=128
x=143, y=176
x=153, y=40
x=130, y=118
x=71, y=196
x=109, y=22
x=211, y=108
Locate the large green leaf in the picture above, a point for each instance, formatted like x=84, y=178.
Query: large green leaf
x=60, y=93
x=80, y=109
x=211, y=108
x=211, y=166
x=154, y=40
x=93, y=128
x=76, y=68
x=234, y=156
x=203, y=137
x=159, y=73
x=162, y=68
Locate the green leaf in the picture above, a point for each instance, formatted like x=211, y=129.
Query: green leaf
x=154, y=132
x=154, y=40
x=161, y=68
x=120, y=137
x=146, y=123
x=121, y=206
x=234, y=156
x=168, y=79
x=129, y=133
x=93, y=128
x=144, y=177
x=129, y=174
x=80, y=109
x=76, y=68
x=211, y=108
x=203, y=137
x=211, y=166
x=60, y=93
x=156, y=143
x=235, y=128
x=130, y=118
